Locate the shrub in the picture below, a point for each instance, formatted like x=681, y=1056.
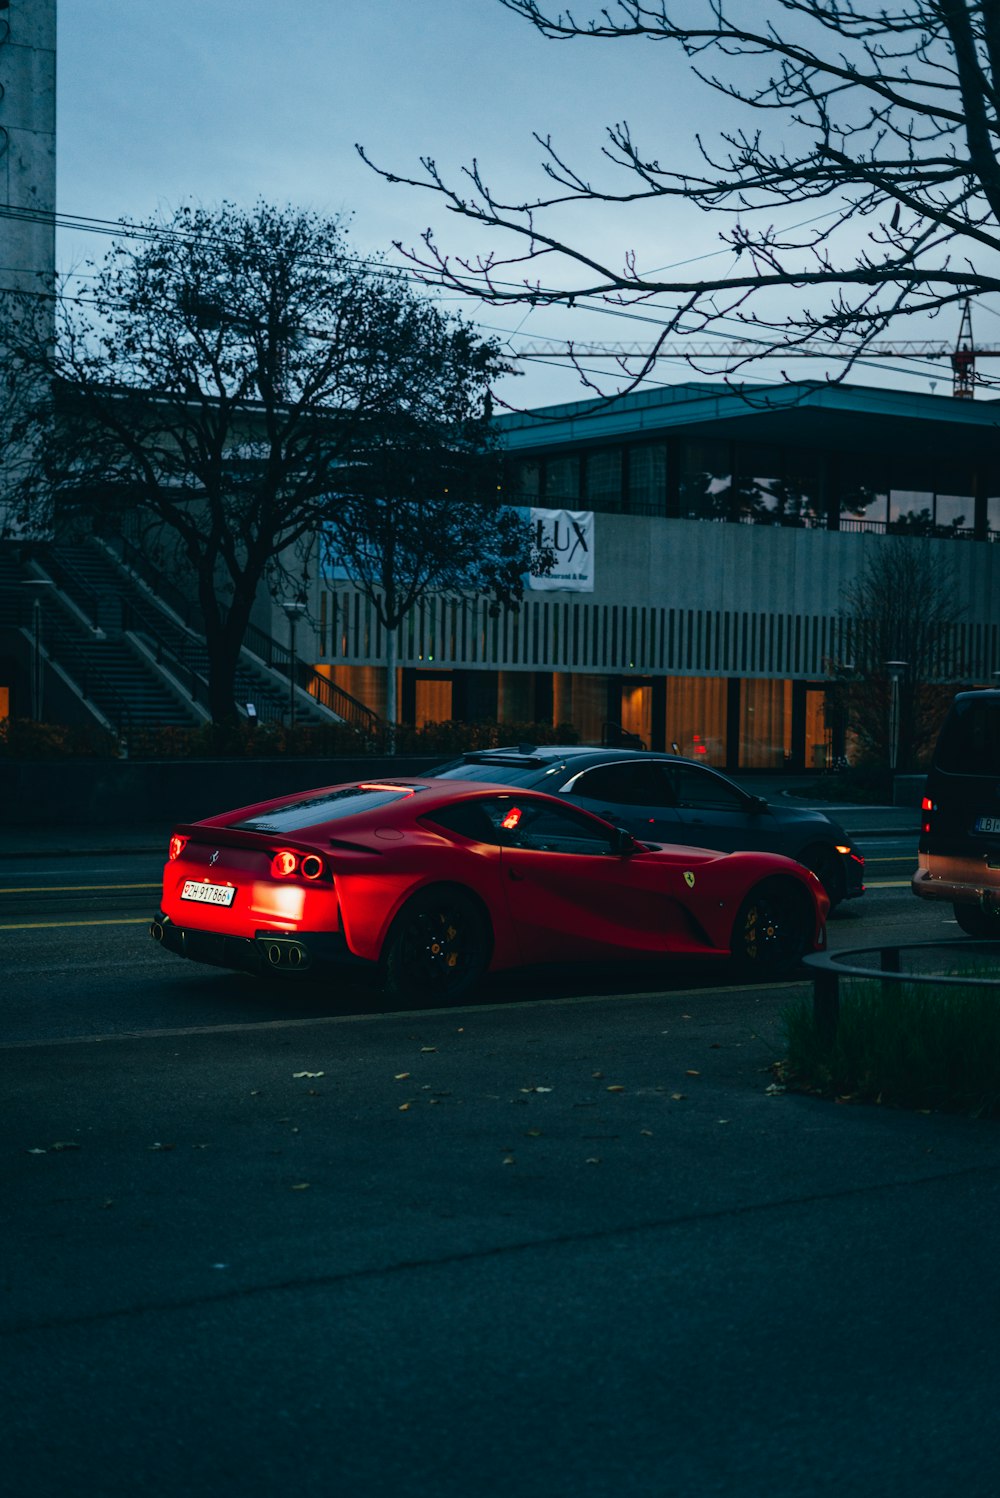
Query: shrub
x=23, y=738
x=916, y=1045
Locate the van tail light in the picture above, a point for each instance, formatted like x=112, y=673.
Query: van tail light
x=176, y=846
x=926, y=807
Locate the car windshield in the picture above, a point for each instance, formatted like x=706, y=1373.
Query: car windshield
x=970, y=740
x=346, y=802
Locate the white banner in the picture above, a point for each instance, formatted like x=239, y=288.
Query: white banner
x=570, y=533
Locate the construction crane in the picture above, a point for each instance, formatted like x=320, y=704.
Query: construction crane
x=962, y=356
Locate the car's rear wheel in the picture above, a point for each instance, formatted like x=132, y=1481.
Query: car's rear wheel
x=825, y=864
x=773, y=929
x=437, y=949
x=978, y=920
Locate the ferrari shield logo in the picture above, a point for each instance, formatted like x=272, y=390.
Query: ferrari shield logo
x=689, y=879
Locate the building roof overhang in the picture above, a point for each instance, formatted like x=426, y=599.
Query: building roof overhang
x=811, y=415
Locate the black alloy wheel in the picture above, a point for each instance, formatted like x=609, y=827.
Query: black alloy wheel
x=981, y=921
x=438, y=948
x=773, y=930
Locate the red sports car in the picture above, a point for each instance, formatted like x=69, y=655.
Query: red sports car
x=432, y=883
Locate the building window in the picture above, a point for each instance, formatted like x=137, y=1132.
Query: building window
x=562, y=482
x=604, y=480
x=765, y=724
x=647, y=479
x=696, y=717
x=705, y=480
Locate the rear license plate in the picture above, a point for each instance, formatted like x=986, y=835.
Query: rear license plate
x=987, y=824
x=208, y=894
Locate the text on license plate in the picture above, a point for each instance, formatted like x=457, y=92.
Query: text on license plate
x=208, y=894
x=988, y=824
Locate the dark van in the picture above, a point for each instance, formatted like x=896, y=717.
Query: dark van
x=960, y=820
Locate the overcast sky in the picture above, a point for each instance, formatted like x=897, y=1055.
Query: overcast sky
x=205, y=100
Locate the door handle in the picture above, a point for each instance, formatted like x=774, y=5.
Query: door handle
x=513, y=874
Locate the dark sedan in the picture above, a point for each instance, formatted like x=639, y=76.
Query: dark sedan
x=673, y=800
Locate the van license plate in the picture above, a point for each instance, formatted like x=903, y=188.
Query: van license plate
x=987, y=824
x=208, y=894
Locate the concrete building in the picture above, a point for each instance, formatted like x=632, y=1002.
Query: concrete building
x=725, y=527
x=27, y=145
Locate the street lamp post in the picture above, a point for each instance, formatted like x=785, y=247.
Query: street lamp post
x=896, y=670
x=37, y=584
x=294, y=609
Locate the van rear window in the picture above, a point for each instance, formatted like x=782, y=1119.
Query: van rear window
x=970, y=740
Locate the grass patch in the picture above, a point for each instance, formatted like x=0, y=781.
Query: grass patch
x=912, y=1045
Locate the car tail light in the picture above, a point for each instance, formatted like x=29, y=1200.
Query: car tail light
x=311, y=866
x=926, y=807
x=176, y=846
x=283, y=864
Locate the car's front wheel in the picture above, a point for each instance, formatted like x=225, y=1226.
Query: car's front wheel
x=438, y=948
x=825, y=864
x=979, y=920
x=773, y=930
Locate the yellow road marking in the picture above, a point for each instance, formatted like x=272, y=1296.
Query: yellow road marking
x=887, y=884
x=139, y=920
x=62, y=889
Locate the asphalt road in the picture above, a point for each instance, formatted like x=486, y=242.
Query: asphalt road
x=559, y=1241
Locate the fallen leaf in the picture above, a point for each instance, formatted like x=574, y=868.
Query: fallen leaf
x=615, y=1087
x=722, y=1120
x=775, y=1088
x=534, y=1133
x=593, y=1160
x=509, y=1160
x=301, y=1186
x=298, y=1074
x=157, y=1146
x=678, y=1097
x=425, y=1049
x=68, y=1144
x=691, y=1073
x=108, y=1201
x=648, y=1133
x=403, y=1107
x=401, y=1076
x=597, y=1074
x=36, y=1151
x=536, y=1089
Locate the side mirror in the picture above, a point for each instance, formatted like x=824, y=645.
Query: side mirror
x=757, y=804
x=622, y=842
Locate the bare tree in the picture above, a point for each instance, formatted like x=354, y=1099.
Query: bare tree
x=880, y=121
x=899, y=618
x=212, y=385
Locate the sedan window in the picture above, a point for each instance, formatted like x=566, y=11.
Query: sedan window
x=629, y=783
x=702, y=790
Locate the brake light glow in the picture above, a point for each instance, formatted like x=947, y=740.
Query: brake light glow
x=512, y=818
x=176, y=846
x=286, y=862
x=926, y=807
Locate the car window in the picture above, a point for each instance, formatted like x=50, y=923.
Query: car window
x=701, y=790
x=309, y=810
x=497, y=774
x=970, y=740
x=470, y=818
x=545, y=828
x=638, y=783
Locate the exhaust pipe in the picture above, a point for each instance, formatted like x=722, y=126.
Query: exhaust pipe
x=284, y=953
x=156, y=930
